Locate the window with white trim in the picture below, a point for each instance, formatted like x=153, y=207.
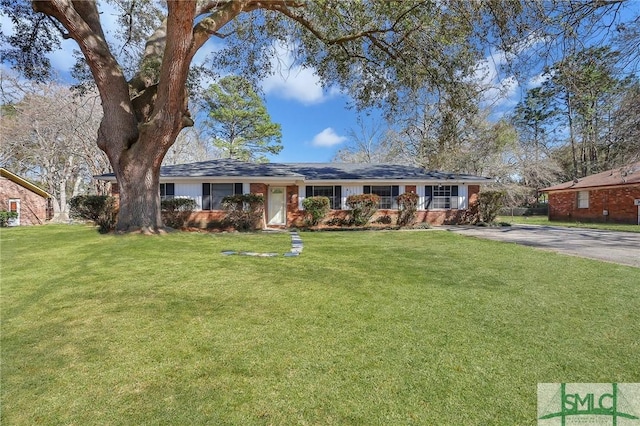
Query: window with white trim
x=213, y=193
x=387, y=194
x=333, y=193
x=583, y=199
x=167, y=191
x=442, y=197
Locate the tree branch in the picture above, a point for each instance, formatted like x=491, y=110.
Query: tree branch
x=82, y=21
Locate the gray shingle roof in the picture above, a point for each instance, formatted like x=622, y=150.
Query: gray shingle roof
x=227, y=168
x=309, y=171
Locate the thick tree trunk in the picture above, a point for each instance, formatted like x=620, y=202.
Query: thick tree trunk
x=139, y=208
x=137, y=170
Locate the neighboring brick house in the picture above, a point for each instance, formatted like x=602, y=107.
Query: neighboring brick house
x=444, y=197
x=604, y=197
x=32, y=204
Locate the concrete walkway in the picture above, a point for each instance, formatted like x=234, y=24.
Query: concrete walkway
x=296, y=249
x=609, y=246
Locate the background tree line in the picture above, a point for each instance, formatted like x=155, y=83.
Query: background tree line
x=580, y=120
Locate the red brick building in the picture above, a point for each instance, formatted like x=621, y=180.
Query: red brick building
x=604, y=197
x=32, y=204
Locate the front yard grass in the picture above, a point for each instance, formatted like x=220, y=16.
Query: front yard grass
x=365, y=328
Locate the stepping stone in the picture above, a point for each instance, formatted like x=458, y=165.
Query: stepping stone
x=296, y=249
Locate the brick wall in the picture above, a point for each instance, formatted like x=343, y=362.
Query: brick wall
x=33, y=207
x=618, y=201
x=472, y=192
x=295, y=216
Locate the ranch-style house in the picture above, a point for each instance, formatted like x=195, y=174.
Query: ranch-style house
x=443, y=197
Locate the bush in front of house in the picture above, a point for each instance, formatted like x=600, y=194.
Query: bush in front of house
x=100, y=209
x=383, y=220
x=6, y=216
x=407, y=208
x=316, y=208
x=244, y=211
x=362, y=207
x=176, y=211
x=489, y=204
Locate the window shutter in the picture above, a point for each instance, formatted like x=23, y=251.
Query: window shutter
x=366, y=189
x=308, y=191
x=427, y=196
x=170, y=189
x=454, y=190
x=237, y=189
x=206, y=196
x=337, y=194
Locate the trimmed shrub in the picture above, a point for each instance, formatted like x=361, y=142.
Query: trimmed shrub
x=407, y=208
x=6, y=216
x=489, y=204
x=363, y=207
x=316, y=208
x=244, y=212
x=100, y=209
x=384, y=220
x=176, y=211
x=338, y=221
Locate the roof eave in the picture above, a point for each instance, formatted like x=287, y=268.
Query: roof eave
x=24, y=183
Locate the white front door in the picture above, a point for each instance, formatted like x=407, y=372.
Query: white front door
x=277, y=209
x=14, y=206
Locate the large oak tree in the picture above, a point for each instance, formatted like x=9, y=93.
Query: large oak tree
x=377, y=50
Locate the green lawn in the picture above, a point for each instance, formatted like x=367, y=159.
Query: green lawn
x=543, y=220
x=364, y=328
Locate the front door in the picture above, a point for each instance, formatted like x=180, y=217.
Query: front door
x=277, y=209
x=14, y=206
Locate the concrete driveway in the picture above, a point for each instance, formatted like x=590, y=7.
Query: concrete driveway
x=617, y=247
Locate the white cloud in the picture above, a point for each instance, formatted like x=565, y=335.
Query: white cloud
x=327, y=138
x=294, y=82
x=498, y=90
x=537, y=80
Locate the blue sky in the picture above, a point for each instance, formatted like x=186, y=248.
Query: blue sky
x=311, y=132
x=316, y=122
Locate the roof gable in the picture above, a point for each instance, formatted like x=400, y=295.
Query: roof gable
x=625, y=175
x=24, y=183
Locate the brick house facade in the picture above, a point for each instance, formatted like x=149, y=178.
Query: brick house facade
x=444, y=198
x=604, y=197
x=32, y=203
